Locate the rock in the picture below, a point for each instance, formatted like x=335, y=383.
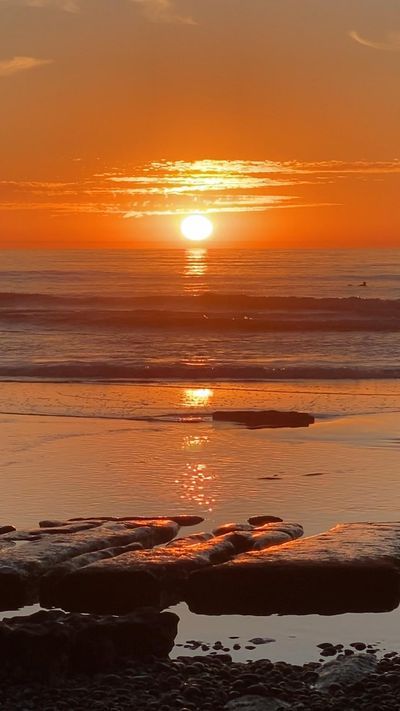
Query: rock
x=6, y=529
x=182, y=519
x=275, y=534
x=260, y=520
x=230, y=527
x=329, y=651
x=360, y=646
x=190, y=540
x=261, y=640
x=49, y=584
x=256, y=703
x=52, y=524
x=22, y=567
x=41, y=532
x=264, y=418
x=47, y=646
x=245, y=537
x=345, y=671
x=149, y=577
x=330, y=573
x=242, y=541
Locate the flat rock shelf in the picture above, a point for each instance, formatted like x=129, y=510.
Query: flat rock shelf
x=259, y=419
x=110, y=565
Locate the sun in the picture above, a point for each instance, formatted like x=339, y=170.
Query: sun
x=197, y=228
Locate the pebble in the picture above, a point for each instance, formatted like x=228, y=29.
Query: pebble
x=213, y=683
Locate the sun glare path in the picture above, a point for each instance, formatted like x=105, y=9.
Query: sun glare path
x=197, y=397
x=197, y=228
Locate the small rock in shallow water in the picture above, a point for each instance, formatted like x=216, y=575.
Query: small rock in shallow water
x=328, y=652
x=261, y=520
x=360, y=646
x=262, y=640
x=7, y=529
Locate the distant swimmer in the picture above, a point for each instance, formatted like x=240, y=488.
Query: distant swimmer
x=363, y=283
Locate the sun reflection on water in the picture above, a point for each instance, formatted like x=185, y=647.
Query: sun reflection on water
x=197, y=397
x=196, y=484
x=194, y=442
x=198, y=481
x=196, y=267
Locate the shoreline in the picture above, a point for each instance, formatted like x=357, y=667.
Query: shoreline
x=124, y=463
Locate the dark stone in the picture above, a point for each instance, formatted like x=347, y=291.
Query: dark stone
x=264, y=418
x=345, y=671
x=329, y=651
x=6, y=529
x=260, y=520
x=48, y=646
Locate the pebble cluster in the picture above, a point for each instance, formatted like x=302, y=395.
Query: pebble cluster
x=210, y=683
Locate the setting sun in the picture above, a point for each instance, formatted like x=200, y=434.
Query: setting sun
x=197, y=228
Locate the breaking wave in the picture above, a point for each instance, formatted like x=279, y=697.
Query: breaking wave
x=109, y=372
x=207, y=313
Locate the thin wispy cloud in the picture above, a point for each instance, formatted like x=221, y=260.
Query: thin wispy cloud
x=8, y=67
x=163, y=11
x=391, y=43
x=65, y=5
x=165, y=188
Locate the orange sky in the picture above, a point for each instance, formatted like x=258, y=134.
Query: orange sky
x=279, y=117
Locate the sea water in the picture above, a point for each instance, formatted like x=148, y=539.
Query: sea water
x=111, y=364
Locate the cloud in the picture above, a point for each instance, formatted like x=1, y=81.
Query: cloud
x=154, y=10
x=8, y=67
x=391, y=43
x=163, y=11
x=179, y=187
x=66, y=5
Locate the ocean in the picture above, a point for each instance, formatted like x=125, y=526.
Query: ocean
x=199, y=314
x=112, y=362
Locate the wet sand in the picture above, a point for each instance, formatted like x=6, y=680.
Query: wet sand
x=343, y=468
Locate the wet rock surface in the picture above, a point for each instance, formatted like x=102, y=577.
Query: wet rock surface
x=138, y=578
x=118, y=584
x=330, y=573
x=254, y=419
x=116, y=566
x=212, y=683
x=22, y=567
x=50, y=645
